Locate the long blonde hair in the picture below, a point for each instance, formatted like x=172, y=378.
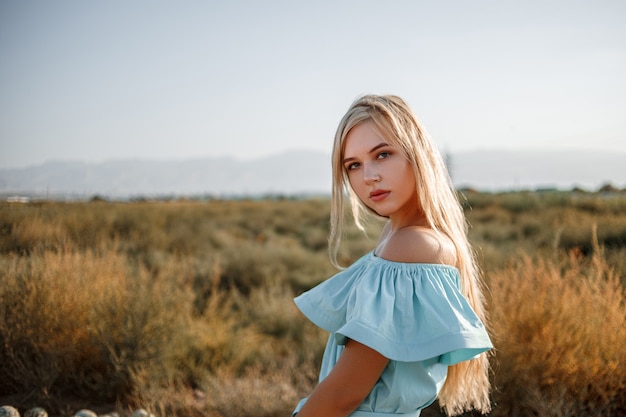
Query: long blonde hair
x=467, y=385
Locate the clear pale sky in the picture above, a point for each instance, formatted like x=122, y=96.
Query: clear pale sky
x=95, y=80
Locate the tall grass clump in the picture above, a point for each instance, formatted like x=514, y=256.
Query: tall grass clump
x=86, y=324
x=559, y=330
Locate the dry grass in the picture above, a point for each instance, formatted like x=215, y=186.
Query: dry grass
x=84, y=323
x=560, y=328
x=186, y=308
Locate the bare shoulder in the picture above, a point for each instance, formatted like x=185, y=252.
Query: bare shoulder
x=419, y=245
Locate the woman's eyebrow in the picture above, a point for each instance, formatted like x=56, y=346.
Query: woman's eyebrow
x=374, y=149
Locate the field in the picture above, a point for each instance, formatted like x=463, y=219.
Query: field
x=184, y=307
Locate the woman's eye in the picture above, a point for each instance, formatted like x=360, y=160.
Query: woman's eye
x=352, y=166
x=384, y=155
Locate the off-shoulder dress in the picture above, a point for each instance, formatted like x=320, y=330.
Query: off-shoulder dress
x=414, y=314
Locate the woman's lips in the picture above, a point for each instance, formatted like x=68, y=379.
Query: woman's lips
x=378, y=195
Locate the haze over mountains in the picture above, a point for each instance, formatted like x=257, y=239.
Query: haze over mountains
x=301, y=173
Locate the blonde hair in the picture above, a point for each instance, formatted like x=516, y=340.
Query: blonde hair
x=467, y=385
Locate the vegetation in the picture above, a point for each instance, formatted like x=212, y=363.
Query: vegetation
x=185, y=307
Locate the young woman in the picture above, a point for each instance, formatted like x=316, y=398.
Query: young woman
x=406, y=321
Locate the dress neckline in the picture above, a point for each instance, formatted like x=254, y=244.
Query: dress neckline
x=372, y=255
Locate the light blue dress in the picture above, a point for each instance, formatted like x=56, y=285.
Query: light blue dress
x=412, y=313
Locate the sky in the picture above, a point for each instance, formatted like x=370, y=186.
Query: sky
x=150, y=79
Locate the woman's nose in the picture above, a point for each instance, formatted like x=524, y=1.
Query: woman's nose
x=370, y=173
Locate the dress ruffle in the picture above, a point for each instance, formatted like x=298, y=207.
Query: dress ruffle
x=408, y=312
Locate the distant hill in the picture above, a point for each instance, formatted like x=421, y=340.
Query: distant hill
x=495, y=170
x=301, y=172
x=294, y=172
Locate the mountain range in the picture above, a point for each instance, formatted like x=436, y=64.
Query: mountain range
x=301, y=173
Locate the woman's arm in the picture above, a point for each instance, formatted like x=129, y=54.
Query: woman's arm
x=347, y=385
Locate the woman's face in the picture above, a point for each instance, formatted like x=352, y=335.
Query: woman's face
x=379, y=173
